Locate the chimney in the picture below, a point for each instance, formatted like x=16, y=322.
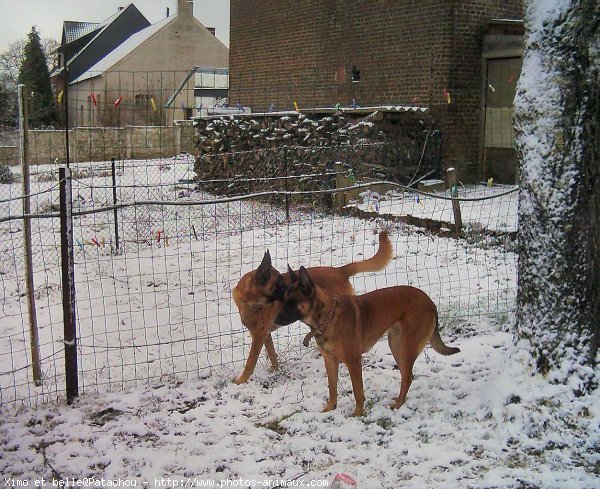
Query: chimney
x=168, y=11
x=212, y=30
x=185, y=8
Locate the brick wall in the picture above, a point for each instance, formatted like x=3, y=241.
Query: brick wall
x=283, y=51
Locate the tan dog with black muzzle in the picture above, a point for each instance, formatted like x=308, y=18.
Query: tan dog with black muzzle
x=259, y=297
x=347, y=326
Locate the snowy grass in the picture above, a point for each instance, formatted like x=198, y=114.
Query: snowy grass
x=499, y=213
x=474, y=420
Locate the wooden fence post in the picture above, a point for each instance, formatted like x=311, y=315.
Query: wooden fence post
x=68, y=284
x=340, y=199
x=27, y=247
x=452, y=180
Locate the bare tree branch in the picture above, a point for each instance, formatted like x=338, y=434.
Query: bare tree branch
x=12, y=58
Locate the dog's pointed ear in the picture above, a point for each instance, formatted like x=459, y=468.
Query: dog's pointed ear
x=293, y=275
x=263, y=272
x=306, y=284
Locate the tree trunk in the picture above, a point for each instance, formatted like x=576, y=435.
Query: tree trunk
x=557, y=118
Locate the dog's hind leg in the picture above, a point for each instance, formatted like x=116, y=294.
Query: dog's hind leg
x=332, y=365
x=405, y=357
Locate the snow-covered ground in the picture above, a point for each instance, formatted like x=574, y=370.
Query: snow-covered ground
x=474, y=420
x=160, y=341
x=494, y=207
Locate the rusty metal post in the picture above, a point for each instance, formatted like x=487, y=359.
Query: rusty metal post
x=285, y=167
x=68, y=284
x=115, y=212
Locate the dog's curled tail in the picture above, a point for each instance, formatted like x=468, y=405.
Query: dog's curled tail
x=376, y=262
x=436, y=340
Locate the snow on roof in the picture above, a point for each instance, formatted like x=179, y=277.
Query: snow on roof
x=506, y=21
x=123, y=50
x=369, y=109
x=74, y=30
x=247, y=112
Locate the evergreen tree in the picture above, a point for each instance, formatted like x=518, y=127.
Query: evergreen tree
x=4, y=107
x=35, y=76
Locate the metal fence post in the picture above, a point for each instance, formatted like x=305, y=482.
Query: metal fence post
x=66, y=97
x=115, y=212
x=27, y=247
x=287, y=200
x=436, y=152
x=68, y=284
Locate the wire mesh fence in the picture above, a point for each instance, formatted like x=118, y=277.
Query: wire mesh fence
x=157, y=303
x=160, y=240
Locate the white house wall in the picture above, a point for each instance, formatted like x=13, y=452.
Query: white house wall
x=156, y=68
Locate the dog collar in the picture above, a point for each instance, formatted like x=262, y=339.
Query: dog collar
x=325, y=323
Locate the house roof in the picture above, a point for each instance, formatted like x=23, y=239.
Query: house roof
x=103, y=27
x=106, y=37
x=73, y=30
x=123, y=50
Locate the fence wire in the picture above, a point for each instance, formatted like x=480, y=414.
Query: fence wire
x=158, y=305
x=159, y=246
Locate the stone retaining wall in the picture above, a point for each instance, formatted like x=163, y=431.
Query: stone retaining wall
x=103, y=143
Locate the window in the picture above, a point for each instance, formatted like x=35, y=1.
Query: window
x=142, y=100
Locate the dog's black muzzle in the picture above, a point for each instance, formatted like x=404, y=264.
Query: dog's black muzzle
x=288, y=315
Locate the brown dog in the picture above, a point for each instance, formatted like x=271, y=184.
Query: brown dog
x=259, y=297
x=347, y=326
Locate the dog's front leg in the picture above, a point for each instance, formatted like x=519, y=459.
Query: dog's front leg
x=355, y=369
x=332, y=365
x=258, y=340
x=271, y=353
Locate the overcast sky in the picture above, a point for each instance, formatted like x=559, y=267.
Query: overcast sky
x=18, y=16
